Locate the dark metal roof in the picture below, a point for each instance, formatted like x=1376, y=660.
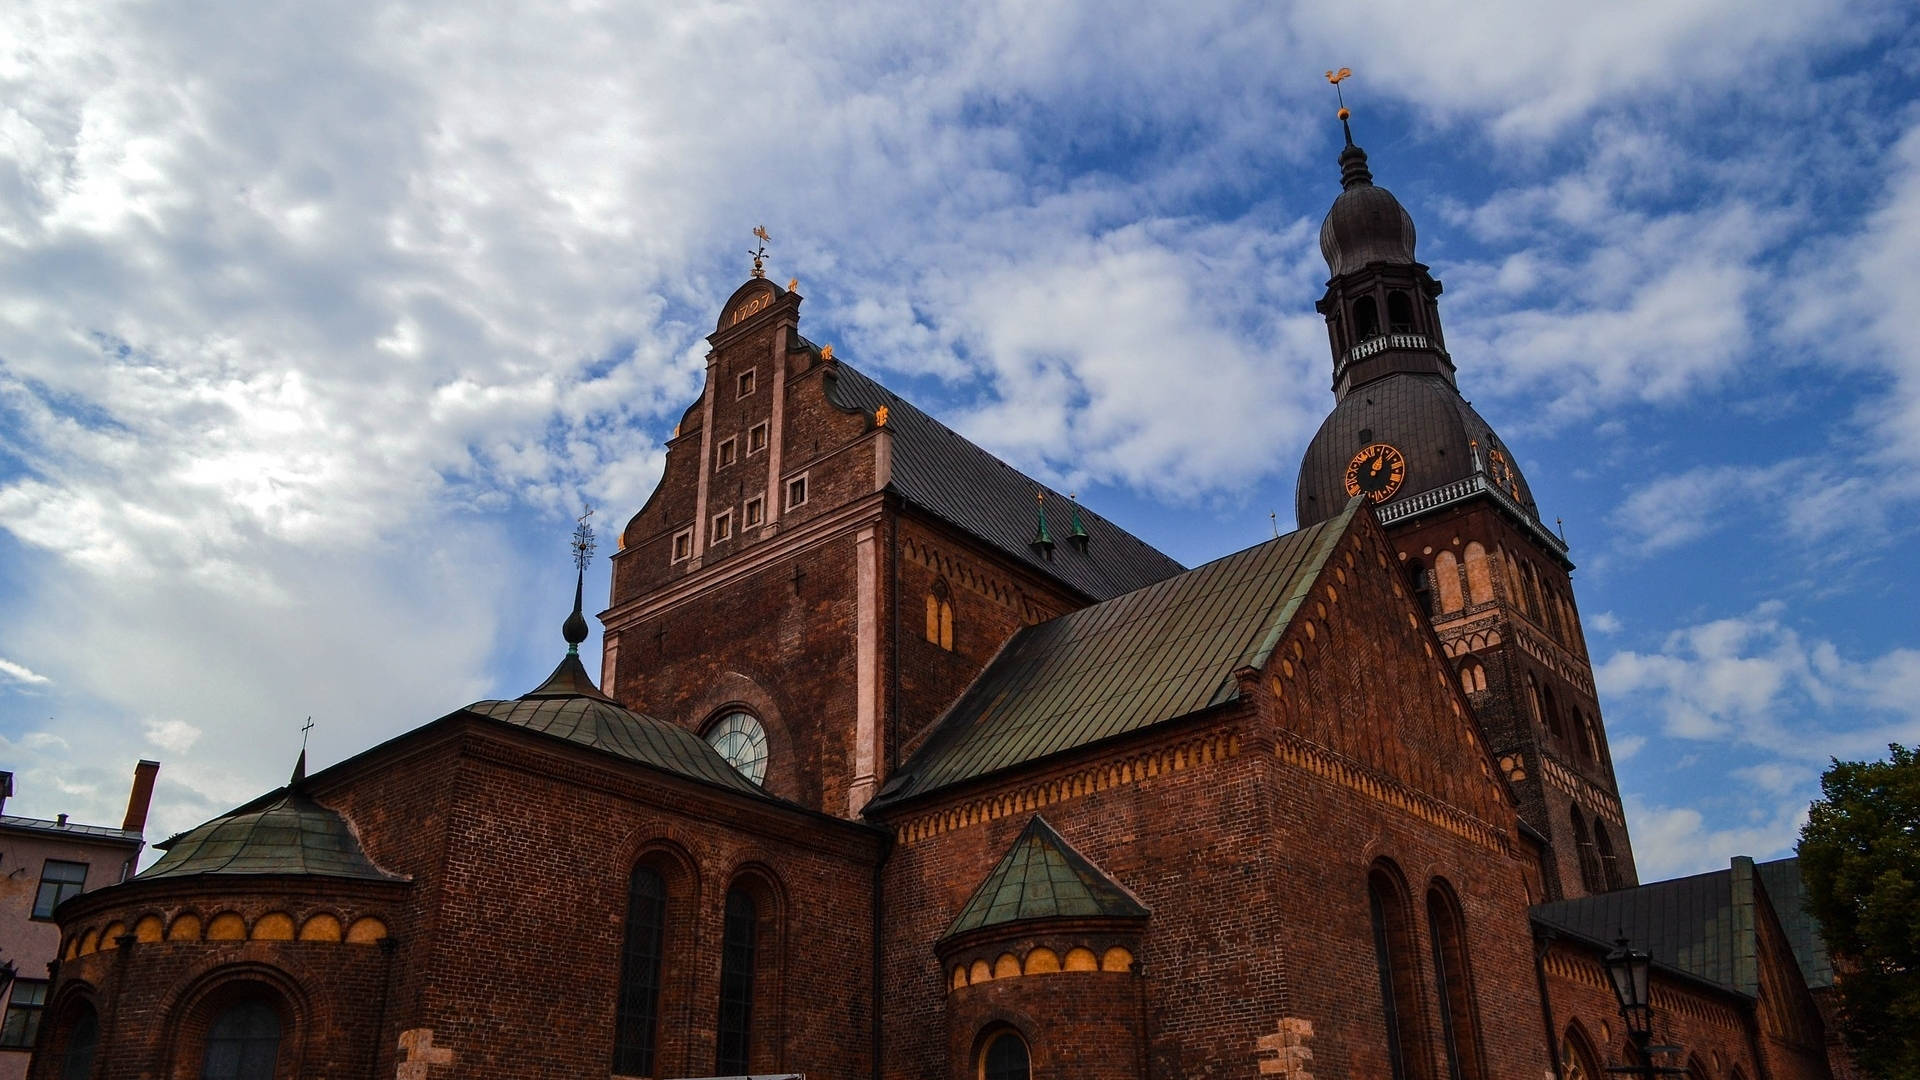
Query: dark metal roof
x=1156, y=654
x=1043, y=877
x=1422, y=416
x=1701, y=925
x=941, y=472
x=71, y=829
x=1781, y=878
x=599, y=724
x=290, y=834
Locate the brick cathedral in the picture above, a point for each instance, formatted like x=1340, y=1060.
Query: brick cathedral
x=902, y=766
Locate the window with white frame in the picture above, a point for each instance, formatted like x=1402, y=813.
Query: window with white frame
x=754, y=513
x=757, y=438
x=722, y=526
x=726, y=453
x=744, y=382
x=682, y=545
x=797, y=491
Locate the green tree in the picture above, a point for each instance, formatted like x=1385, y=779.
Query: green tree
x=1860, y=858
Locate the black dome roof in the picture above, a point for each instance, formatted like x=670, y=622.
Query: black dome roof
x=1366, y=223
x=1424, y=418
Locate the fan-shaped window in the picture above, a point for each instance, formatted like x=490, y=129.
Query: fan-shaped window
x=1366, y=319
x=637, y=1021
x=738, y=957
x=1446, y=574
x=1399, y=313
x=244, y=1043
x=83, y=1038
x=1005, y=1058
x=1459, y=1018
x=1393, y=952
x=940, y=616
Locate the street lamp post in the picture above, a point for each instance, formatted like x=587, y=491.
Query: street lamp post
x=1630, y=970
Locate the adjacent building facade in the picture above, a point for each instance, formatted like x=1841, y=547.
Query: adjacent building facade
x=42, y=864
x=901, y=764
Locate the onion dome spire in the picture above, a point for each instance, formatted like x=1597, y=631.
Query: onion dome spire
x=1367, y=226
x=1042, y=542
x=575, y=628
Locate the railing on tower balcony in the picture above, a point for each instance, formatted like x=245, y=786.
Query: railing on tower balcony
x=1461, y=490
x=1382, y=342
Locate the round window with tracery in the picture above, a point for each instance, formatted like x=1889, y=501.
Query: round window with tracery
x=743, y=742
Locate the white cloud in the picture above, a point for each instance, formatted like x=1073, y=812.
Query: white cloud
x=20, y=673
x=1672, y=841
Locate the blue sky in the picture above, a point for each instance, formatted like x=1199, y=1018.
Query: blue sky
x=316, y=328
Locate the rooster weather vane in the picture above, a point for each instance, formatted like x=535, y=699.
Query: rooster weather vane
x=760, y=253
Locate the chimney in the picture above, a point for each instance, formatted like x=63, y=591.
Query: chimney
x=6, y=790
x=141, y=795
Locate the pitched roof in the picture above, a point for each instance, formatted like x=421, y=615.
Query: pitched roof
x=1156, y=654
x=71, y=829
x=1781, y=877
x=940, y=471
x=568, y=706
x=1043, y=877
x=1701, y=925
x=289, y=834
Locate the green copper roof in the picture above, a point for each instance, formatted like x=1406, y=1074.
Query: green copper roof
x=289, y=834
x=1781, y=877
x=1156, y=654
x=1042, y=877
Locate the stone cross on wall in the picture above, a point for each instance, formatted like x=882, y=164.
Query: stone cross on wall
x=421, y=1054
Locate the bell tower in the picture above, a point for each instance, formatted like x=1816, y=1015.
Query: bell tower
x=1496, y=582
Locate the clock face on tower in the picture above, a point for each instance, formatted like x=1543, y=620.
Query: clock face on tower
x=743, y=742
x=1376, y=472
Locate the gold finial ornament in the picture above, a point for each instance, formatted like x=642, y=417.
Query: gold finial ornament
x=1336, y=78
x=826, y=352
x=880, y=417
x=793, y=283
x=759, y=254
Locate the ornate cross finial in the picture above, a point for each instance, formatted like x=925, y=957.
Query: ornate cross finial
x=304, y=728
x=1336, y=78
x=759, y=253
x=583, y=542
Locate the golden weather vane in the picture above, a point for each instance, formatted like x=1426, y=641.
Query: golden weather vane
x=760, y=253
x=1336, y=78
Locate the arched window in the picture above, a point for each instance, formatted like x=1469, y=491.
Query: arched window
x=1459, y=1018
x=1589, y=860
x=1473, y=677
x=1609, y=864
x=1399, y=312
x=1393, y=952
x=83, y=1038
x=1446, y=573
x=1531, y=582
x=1550, y=713
x=243, y=1043
x=1422, y=585
x=1366, y=319
x=738, y=958
x=940, y=616
x=1005, y=1058
x=637, y=1021
x=1589, y=737
x=1479, y=574
x=1533, y=699
x=1577, y=1058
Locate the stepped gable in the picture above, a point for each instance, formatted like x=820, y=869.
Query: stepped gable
x=1159, y=653
x=1043, y=877
x=282, y=832
x=940, y=471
